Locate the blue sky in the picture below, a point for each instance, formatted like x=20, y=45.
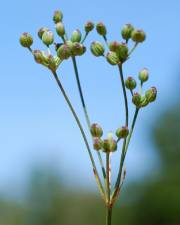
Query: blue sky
x=35, y=123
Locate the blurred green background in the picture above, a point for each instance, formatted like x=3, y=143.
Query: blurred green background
x=155, y=200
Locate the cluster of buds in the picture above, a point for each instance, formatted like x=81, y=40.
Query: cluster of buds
x=107, y=145
x=64, y=50
x=118, y=52
x=138, y=99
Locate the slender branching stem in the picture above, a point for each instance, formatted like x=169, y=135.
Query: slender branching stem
x=84, y=38
x=118, y=181
x=83, y=134
x=106, y=41
x=132, y=50
x=124, y=93
x=108, y=180
x=123, y=156
x=86, y=112
x=108, y=177
x=132, y=128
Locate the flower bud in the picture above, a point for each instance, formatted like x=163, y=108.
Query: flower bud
x=96, y=130
x=112, y=58
x=52, y=63
x=122, y=132
x=78, y=49
x=130, y=83
x=109, y=145
x=38, y=56
x=97, y=143
x=97, y=48
x=26, y=40
x=89, y=26
x=151, y=94
x=76, y=36
x=60, y=29
x=58, y=16
x=41, y=31
x=101, y=29
x=144, y=101
x=127, y=31
x=64, y=52
x=138, y=36
x=113, y=46
x=136, y=99
x=143, y=75
x=48, y=38
x=122, y=52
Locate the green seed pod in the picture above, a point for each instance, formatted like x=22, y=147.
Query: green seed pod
x=48, y=38
x=144, y=101
x=122, y=132
x=97, y=49
x=26, y=40
x=52, y=63
x=109, y=145
x=76, y=36
x=113, y=46
x=69, y=44
x=101, y=29
x=127, y=31
x=130, y=83
x=151, y=94
x=112, y=58
x=122, y=52
x=60, y=29
x=78, y=49
x=58, y=16
x=143, y=75
x=96, y=130
x=41, y=31
x=64, y=52
x=89, y=26
x=97, y=143
x=136, y=99
x=138, y=36
x=38, y=56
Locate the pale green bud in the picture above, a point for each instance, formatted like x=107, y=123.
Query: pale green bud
x=97, y=48
x=112, y=58
x=58, y=16
x=48, y=38
x=76, y=36
x=26, y=40
x=127, y=31
x=138, y=36
x=60, y=29
x=143, y=75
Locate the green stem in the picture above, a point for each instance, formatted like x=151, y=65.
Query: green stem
x=132, y=50
x=123, y=155
x=86, y=112
x=108, y=215
x=132, y=128
x=83, y=135
x=108, y=177
x=118, y=181
x=124, y=93
x=84, y=38
x=106, y=41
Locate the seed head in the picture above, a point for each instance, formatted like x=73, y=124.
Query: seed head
x=26, y=40
x=97, y=48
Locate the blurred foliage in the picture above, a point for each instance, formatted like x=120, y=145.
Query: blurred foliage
x=156, y=201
